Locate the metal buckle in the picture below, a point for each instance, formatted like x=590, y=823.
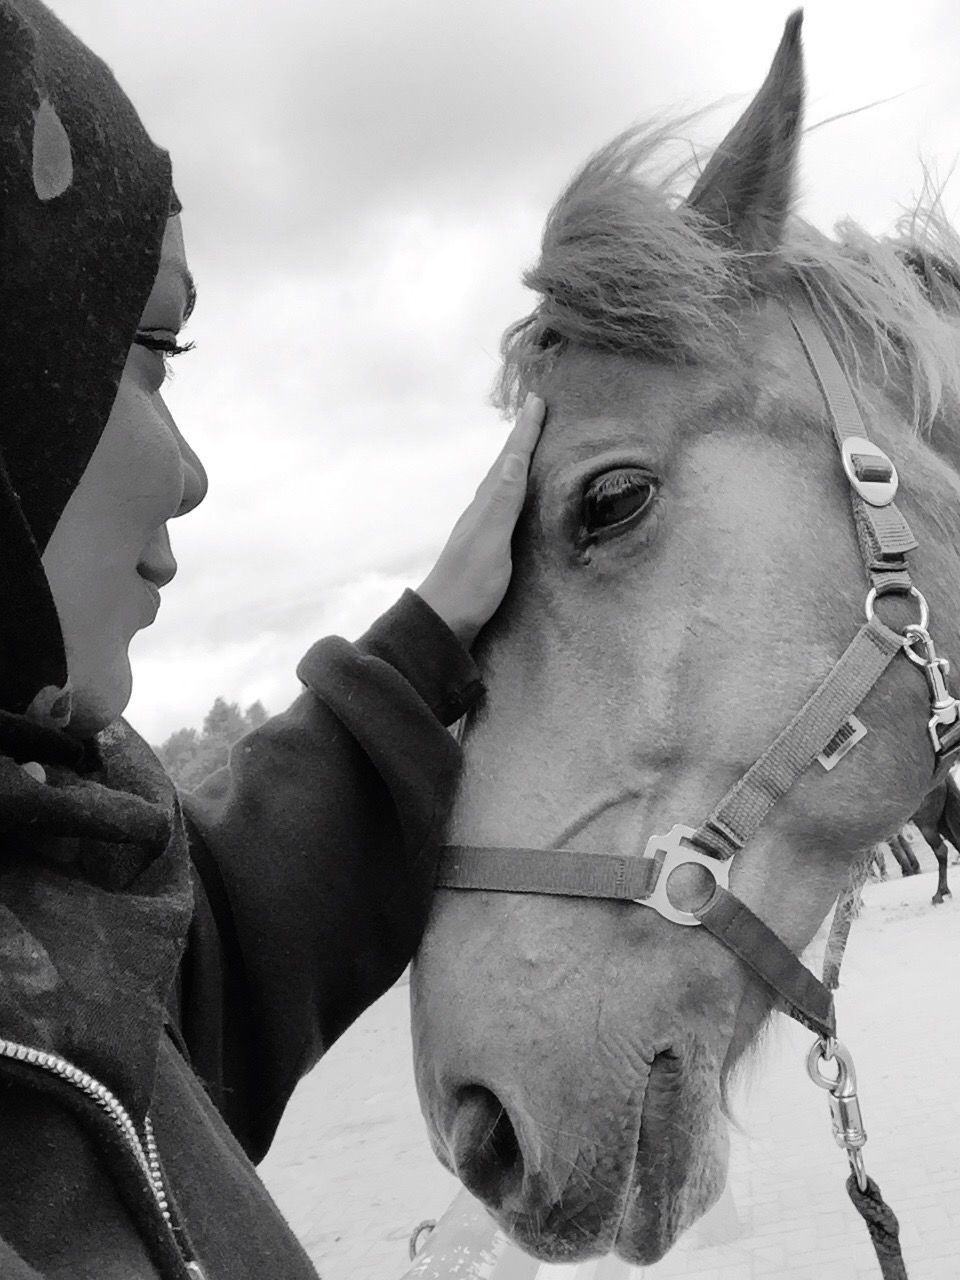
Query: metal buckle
x=672, y=852
x=869, y=470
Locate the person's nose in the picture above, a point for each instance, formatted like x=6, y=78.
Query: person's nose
x=195, y=482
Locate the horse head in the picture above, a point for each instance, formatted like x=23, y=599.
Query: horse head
x=686, y=572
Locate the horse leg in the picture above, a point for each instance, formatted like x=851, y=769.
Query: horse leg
x=906, y=859
x=940, y=852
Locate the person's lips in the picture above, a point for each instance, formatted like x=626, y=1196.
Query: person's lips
x=152, y=590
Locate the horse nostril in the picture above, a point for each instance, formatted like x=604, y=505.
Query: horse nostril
x=485, y=1149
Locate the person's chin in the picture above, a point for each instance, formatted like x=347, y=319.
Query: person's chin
x=98, y=702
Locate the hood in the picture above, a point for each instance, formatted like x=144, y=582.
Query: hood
x=84, y=199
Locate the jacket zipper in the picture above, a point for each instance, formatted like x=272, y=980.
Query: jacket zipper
x=146, y=1152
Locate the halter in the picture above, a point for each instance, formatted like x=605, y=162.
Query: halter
x=823, y=730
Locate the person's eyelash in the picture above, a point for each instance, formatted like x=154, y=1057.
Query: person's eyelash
x=166, y=347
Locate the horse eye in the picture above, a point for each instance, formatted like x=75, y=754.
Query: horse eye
x=616, y=500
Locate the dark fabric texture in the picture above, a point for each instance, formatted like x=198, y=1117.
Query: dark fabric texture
x=257, y=920
x=84, y=199
x=882, y=1225
x=69, y=844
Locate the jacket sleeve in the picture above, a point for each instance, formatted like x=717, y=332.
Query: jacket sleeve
x=315, y=853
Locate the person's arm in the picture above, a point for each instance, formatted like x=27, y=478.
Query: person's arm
x=316, y=854
x=316, y=849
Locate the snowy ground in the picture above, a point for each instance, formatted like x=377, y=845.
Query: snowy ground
x=352, y=1170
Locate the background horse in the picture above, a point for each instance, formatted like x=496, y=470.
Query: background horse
x=938, y=820
x=686, y=572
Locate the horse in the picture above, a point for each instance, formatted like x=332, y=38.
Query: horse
x=685, y=572
x=938, y=820
x=903, y=854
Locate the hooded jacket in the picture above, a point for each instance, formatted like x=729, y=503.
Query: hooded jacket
x=170, y=966
x=291, y=891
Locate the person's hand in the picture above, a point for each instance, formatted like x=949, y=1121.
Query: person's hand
x=470, y=578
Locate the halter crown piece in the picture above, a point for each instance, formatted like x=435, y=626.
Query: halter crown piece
x=821, y=730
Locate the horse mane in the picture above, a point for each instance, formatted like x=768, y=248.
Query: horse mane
x=626, y=266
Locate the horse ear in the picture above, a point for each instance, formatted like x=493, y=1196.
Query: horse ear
x=747, y=187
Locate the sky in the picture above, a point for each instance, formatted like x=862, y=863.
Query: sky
x=363, y=185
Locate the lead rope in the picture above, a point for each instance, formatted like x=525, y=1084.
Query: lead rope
x=849, y=1133
x=867, y=1198
x=882, y=1225
x=881, y=1222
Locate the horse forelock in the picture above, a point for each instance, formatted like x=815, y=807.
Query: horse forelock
x=624, y=267
x=627, y=266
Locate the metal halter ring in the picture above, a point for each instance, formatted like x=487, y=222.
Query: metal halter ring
x=675, y=850
x=910, y=591
x=830, y=1049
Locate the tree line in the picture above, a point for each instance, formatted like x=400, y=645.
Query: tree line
x=190, y=755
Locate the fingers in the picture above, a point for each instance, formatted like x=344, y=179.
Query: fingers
x=516, y=455
x=506, y=500
x=513, y=460
x=522, y=440
x=467, y=584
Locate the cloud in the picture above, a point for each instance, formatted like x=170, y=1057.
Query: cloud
x=363, y=185
x=176, y=683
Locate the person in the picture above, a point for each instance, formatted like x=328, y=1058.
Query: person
x=171, y=966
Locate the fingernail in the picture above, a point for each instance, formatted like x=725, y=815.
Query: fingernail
x=514, y=467
x=533, y=403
